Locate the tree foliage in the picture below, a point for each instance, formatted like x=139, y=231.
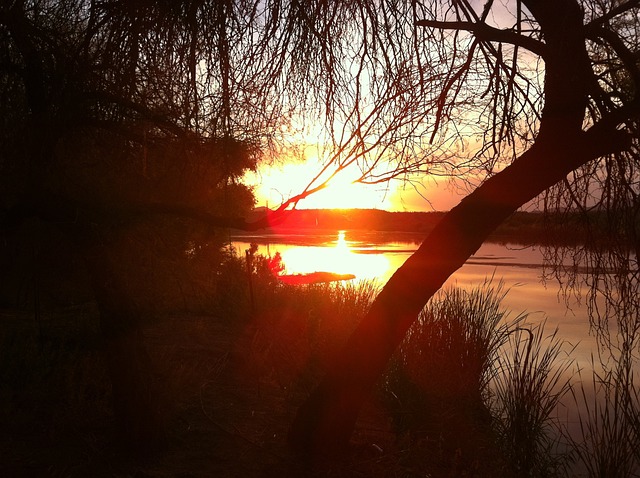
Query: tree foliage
x=114, y=112
x=522, y=96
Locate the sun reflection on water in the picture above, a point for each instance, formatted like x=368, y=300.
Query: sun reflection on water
x=341, y=258
x=519, y=269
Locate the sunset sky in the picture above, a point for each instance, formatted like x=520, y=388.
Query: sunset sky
x=273, y=184
x=281, y=178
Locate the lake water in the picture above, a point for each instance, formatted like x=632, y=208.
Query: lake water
x=378, y=255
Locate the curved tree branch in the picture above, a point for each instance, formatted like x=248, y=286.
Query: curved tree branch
x=485, y=32
x=614, y=12
x=630, y=59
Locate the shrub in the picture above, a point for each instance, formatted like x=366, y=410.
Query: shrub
x=448, y=354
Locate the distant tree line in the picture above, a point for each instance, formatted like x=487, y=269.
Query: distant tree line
x=524, y=227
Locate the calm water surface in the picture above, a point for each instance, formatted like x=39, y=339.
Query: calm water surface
x=378, y=255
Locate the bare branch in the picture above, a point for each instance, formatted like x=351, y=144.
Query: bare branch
x=614, y=12
x=484, y=32
x=629, y=59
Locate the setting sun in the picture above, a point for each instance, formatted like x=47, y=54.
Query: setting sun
x=275, y=183
x=343, y=193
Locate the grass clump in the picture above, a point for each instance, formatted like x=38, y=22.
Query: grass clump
x=298, y=329
x=447, y=354
x=478, y=387
x=528, y=384
x=609, y=441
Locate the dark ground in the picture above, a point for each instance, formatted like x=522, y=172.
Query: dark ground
x=229, y=393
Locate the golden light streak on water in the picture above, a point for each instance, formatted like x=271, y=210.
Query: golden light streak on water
x=340, y=258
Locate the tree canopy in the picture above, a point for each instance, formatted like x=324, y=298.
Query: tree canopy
x=113, y=111
x=402, y=89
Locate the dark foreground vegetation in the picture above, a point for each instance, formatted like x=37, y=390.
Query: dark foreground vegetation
x=471, y=391
x=126, y=128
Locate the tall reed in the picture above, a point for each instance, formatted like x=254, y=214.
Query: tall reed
x=609, y=441
x=299, y=328
x=528, y=384
x=468, y=361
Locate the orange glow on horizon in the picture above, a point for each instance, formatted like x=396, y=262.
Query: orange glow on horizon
x=274, y=184
x=299, y=164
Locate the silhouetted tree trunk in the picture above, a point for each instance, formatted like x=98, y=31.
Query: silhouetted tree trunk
x=324, y=423
x=139, y=423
